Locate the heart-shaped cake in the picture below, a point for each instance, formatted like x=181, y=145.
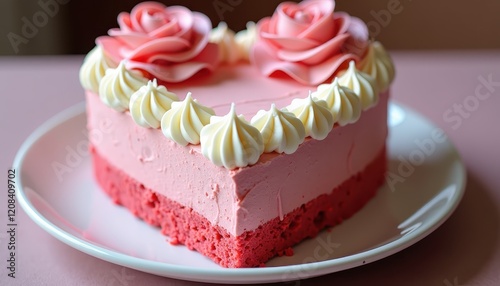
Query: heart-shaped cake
x=239, y=145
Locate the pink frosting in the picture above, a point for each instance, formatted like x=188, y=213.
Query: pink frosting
x=308, y=41
x=169, y=43
x=243, y=199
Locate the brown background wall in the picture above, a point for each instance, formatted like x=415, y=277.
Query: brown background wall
x=409, y=24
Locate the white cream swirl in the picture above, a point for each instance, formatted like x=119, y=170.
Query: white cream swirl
x=94, y=68
x=149, y=104
x=230, y=141
x=344, y=104
x=315, y=116
x=379, y=65
x=362, y=84
x=245, y=40
x=118, y=85
x=184, y=121
x=281, y=130
x=224, y=38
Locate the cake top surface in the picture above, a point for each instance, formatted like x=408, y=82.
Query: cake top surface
x=306, y=62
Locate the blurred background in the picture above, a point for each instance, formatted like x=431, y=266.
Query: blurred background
x=35, y=27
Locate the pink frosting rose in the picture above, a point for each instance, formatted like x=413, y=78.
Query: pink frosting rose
x=169, y=43
x=308, y=41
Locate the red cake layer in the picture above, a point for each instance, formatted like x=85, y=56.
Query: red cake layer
x=253, y=248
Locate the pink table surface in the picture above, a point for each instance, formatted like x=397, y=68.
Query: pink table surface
x=465, y=250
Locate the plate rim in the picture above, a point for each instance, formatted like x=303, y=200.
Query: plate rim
x=224, y=275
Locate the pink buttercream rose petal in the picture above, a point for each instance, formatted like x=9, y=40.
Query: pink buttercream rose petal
x=319, y=52
x=125, y=24
x=291, y=43
x=200, y=37
x=169, y=45
x=324, y=28
x=131, y=39
x=157, y=39
x=187, y=20
x=152, y=21
x=285, y=25
x=342, y=22
x=169, y=29
x=178, y=72
x=308, y=41
x=320, y=73
x=305, y=74
x=157, y=20
x=316, y=55
x=142, y=9
x=197, y=46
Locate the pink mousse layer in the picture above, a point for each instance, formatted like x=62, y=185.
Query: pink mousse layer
x=252, y=248
x=238, y=200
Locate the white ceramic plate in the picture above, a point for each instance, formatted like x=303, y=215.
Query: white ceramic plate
x=57, y=190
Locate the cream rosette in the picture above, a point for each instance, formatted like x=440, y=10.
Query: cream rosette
x=231, y=142
x=184, y=121
x=281, y=130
